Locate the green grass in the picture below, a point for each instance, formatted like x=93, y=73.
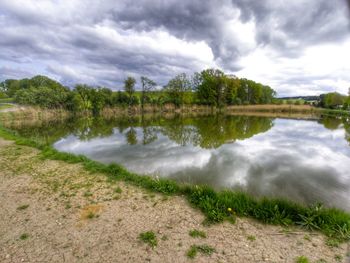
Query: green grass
x=214, y=204
x=192, y=252
x=338, y=258
x=5, y=106
x=251, y=238
x=22, y=207
x=197, y=233
x=91, y=215
x=6, y=100
x=118, y=190
x=24, y=236
x=333, y=112
x=302, y=259
x=332, y=242
x=307, y=237
x=203, y=249
x=87, y=194
x=149, y=238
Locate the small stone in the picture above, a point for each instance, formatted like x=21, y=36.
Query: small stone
x=8, y=256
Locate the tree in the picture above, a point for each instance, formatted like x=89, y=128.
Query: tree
x=147, y=86
x=232, y=84
x=210, y=87
x=346, y=105
x=129, y=87
x=82, y=95
x=10, y=87
x=131, y=136
x=177, y=89
x=332, y=100
x=42, y=96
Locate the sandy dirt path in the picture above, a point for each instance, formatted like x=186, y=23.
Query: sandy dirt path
x=51, y=211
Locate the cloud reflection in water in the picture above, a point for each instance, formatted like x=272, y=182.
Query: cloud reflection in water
x=298, y=160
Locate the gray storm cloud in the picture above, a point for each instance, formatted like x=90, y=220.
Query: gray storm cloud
x=101, y=43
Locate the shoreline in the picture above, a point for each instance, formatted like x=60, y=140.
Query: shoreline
x=19, y=112
x=68, y=207
x=215, y=205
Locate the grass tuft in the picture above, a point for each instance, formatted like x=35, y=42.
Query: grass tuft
x=332, y=242
x=118, y=190
x=24, y=236
x=22, y=207
x=302, y=259
x=338, y=258
x=197, y=233
x=251, y=238
x=90, y=215
x=149, y=238
x=203, y=249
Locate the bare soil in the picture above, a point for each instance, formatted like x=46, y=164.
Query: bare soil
x=51, y=211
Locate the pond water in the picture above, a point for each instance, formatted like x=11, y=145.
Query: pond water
x=306, y=161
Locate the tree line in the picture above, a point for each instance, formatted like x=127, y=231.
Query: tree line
x=335, y=100
x=209, y=87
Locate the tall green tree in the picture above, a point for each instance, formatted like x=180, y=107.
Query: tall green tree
x=129, y=87
x=178, y=89
x=81, y=98
x=332, y=100
x=232, y=85
x=211, y=87
x=147, y=85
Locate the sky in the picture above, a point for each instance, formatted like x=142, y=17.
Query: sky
x=299, y=47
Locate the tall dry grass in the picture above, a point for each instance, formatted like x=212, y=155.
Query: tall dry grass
x=272, y=108
x=32, y=114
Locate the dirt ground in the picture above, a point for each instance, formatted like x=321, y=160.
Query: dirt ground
x=51, y=211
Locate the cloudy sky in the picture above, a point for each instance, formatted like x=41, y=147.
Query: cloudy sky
x=299, y=47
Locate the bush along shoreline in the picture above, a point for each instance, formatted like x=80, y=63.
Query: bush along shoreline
x=217, y=206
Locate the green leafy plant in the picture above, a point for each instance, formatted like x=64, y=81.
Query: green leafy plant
x=203, y=249
x=302, y=259
x=251, y=238
x=197, y=233
x=149, y=238
x=24, y=236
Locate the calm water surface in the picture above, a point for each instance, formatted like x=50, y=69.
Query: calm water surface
x=306, y=161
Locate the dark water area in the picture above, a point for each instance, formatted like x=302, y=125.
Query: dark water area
x=306, y=161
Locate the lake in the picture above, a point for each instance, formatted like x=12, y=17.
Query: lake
x=306, y=161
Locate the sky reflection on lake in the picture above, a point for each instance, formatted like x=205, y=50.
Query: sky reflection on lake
x=296, y=159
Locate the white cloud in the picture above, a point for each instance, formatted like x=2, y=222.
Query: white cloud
x=320, y=68
x=297, y=48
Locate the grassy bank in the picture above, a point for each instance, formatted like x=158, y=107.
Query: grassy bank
x=23, y=113
x=6, y=100
x=284, y=110
x=205, y=109
x=330, y=112
x=4, y=106
x=217, y=206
